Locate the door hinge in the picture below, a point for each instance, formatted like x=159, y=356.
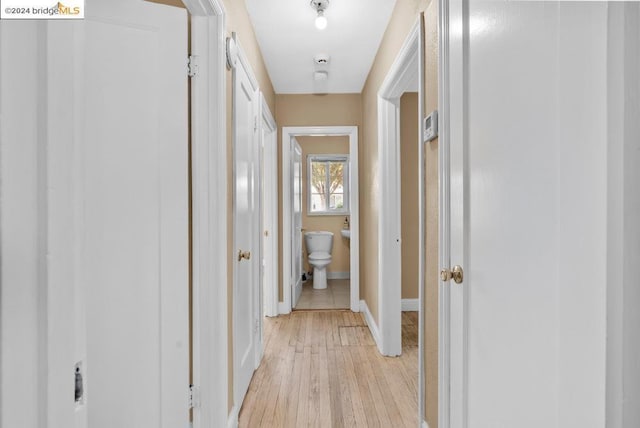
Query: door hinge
x=192, y=66
x=194, y=397
x=255, y=123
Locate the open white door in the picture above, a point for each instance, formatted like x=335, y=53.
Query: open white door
x=98, y=136
x=296, y=233
x=134, y=204
x=246, y=200
x=527, y=195
x=269, y=205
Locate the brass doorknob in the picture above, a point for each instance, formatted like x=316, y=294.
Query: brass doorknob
x=244, y=255
x=457, y=274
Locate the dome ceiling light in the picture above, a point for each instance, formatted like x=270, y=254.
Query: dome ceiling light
x=320, y=6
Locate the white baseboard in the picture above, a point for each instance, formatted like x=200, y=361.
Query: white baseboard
x=410, y=305
x=232, y=422
x=338, y=275
x=283, y=309
x=373, y=327
x=424, y=424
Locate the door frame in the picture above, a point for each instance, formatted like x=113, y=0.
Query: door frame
x=289, y=132
x=403, y=71
x=296, y=263
x=209, y=212
x=269, y=208
x=450, y=356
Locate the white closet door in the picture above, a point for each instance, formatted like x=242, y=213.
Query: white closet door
x=246, y=231
x=135, y=244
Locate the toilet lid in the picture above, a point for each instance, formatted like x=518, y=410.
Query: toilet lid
x=320, y=255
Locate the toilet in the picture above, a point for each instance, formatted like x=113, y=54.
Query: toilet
x=319, y=245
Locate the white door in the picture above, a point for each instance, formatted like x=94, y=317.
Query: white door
x=296, y=234
x=246, y=193
x=528, y=215
x=134, y=258
x=269, y=213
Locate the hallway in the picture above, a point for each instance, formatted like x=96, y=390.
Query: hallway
x=322, y=369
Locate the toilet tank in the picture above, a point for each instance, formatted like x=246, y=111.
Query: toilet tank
x=321, y=241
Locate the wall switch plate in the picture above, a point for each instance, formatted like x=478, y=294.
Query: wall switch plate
x=431, y=126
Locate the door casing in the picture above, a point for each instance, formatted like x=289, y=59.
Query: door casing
x=288, y=132
x=268, y=134
x=404, y=71
x=209, y=212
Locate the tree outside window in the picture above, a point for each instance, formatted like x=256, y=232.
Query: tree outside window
x=328, y=184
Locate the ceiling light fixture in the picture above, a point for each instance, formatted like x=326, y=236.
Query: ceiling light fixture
x=320, y=6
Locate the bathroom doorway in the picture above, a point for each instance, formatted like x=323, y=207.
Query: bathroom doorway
x=324, y=244
x=328, y=199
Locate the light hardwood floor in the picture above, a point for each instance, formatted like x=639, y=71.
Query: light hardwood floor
x=322, y=369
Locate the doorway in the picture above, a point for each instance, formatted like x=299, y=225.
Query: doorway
x=403, y=77
x=417, y=61
x=325, y=223
x=288, y=234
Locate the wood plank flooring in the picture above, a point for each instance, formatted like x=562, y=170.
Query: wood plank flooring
x=322, y=369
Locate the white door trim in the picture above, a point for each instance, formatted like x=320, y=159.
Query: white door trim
x=296, y=241
x=270, y=208
x=402, y=73
x=289, y=132
x=422, y=213
x=209, y=211
x=447, y=47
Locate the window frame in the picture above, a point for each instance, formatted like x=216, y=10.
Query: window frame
x=315, y=157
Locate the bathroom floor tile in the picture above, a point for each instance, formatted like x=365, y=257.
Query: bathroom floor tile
x=335, y=296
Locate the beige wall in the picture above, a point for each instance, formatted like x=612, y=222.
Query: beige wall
x=237, y=20
x=405, y=14
x=409, y=193
x=315, y=110
x=332, y=223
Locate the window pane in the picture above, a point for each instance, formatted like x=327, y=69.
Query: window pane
x=336, y=187
x=336, y=177
x=318, y=182
x=336, y=201
x=317, y=203
x=327, y=184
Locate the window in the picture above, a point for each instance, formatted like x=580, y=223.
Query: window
x=328, y=178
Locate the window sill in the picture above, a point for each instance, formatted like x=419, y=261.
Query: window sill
x=327, y=213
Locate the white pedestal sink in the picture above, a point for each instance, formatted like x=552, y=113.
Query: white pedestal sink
x=346, y=233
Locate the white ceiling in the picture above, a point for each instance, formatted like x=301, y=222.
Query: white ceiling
x=289, y=41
